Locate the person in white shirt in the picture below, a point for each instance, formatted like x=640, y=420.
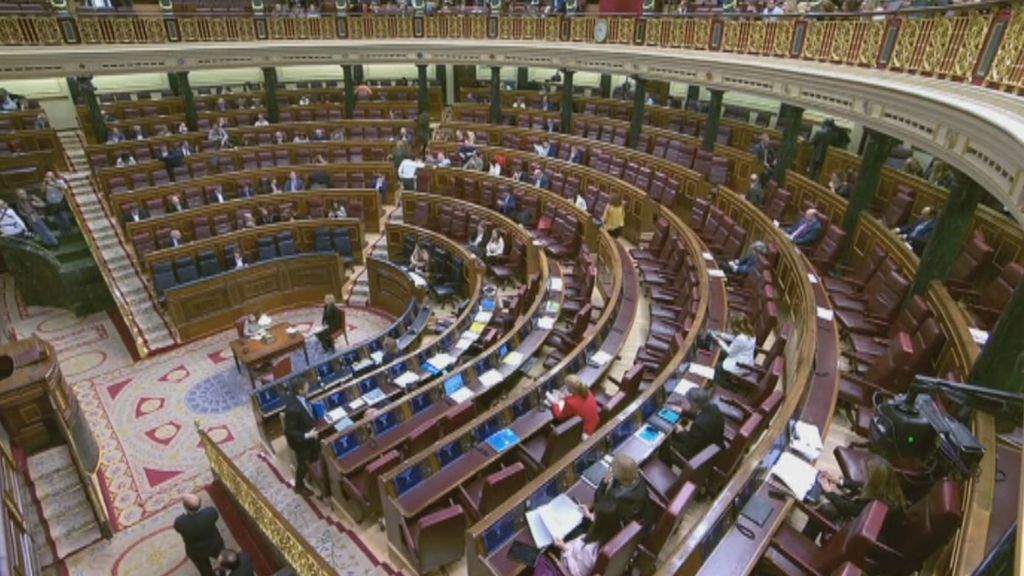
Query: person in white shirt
x=407, y=172
x=543, y=149
x=261, y=120
x=11, y=225
x=581, y=202
x=176, y=238
x=739, y=347
x=496, y=246
x=338, y=211
x=442, y=161
x=182, y=128
x=773, y=9
x=494, y=169
x=239, y=264
x=125, y=159
x=304, y=100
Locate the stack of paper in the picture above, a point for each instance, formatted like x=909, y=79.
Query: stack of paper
x=556, y=519
x=707, y=256
x=461, y=395
x=336, y=414
x=417, y=280
x=683, y=386
x=490, y=378
x=470, y=335
x=463, y=344
x=599, y=359
x=546, y=323
x=407, y=379
x=795, y=474
x=514, y=358
x=483, y=317
x=477, y=327
x=345, y=422
x=825, y=314
x=716, y=273
x=705, y=372
x=362, y=365
x=356, y=404
x=555, y=284
x=812, y=278
x=980, y=336
x=373, y=396
x=441, y=361
x=377, y=356
x=806, y=440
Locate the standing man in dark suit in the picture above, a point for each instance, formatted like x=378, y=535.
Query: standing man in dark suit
x=332, y=320
x=232, y=563
x=300, y=432
x=198, y=528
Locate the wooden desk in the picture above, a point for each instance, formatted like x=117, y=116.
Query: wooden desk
x=738, y=553
x=252, y=353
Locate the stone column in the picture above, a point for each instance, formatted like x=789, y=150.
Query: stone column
x=636, y=123
x=790, y=118
x=952, y=231
x=692, y=98
x=422, y=87
x=495, y=94
x=606, y=85
x=270, y=89
x=441, y=72
x=350, y=90
x=522, y=77
x=869, y=175
x=1002, y=357
x=567, y=98
x=181, y=87
x=86, y=93
x=714, y=119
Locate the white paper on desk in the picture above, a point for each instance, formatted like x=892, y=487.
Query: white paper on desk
x=463, y=345
x=706, y=372
x=826, y=314
x=561, y=516
x=980, y=336
x=795, y=474
x=599, y=359
x=541, y=537
x=483, y=317
x=513, y=358
x=461, y=395
x=356, y=404
x=806, y=440
x=490, y=378
x=336, y=414
x=716, y=273
x=683, y=386
x=377, y=357
x=546, y=323
x=707, y=256
x=812, y=278
x=407, y=378
x=417, y=280
x=555, y=284
x=470, y=335
x=441, y=361
x=365, y=363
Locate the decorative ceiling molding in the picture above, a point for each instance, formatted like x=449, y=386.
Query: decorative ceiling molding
x=979, y=131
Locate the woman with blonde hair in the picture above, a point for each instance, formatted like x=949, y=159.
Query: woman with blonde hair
x=843, y=502
x=580, y=402
x=614, y=217
x=621, y=497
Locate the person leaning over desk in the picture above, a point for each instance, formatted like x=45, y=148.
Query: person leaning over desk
x=580, y=402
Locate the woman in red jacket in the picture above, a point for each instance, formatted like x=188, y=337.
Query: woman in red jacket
x=580, y=402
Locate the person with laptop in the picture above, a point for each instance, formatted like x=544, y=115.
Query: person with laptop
x=580, y=402
x=706, y=428
x=578, y=556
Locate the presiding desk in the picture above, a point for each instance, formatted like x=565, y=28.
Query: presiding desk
x=212, y=304
x=252, y=353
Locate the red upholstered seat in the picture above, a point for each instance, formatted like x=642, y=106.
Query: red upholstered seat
x=362, y=490
x=435, y=539
x=486, y=493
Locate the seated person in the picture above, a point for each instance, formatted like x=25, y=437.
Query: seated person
x=579, y=402
x=293, y=183
x=250, y=327
x=389, y=350
x=581, y=202
x=239, y=260
x=507, y=204
x=496, y=246
x=808, y=230
x=621, y=497
x=843, y=502
x=28, y=208
x=838, y=184
x=706, y=428
x=479, y=240
x=739, y=347
x=744, y=265
x=578, y=556
x=919, y=233
x=11, y=225
x=420, y=260
x=331, y=320
x=338, y=211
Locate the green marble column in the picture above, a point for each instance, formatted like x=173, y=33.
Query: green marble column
x=606, y=85
x=876, y=152
x=358, y=73
x=790, y=118
x=99, y=125
x=692, y=98
x=495, y=94
x=1001, y=362
x=567, y=97
x=422, y=86
x=522, y=77
x=714, y=119
x=181, y=87
x=350, y=90
x=270, y=90
x=636, y=122
x=441, y=72
x=952, y=231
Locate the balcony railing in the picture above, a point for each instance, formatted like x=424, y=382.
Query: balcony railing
x=980, y=44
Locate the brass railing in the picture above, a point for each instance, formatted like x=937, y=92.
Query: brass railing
x=980, y=44
x=284, y=537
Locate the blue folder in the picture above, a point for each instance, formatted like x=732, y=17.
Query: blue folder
x=503, y=440
x=670, y=416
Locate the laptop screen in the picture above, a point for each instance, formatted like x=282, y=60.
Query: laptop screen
x=453, y=384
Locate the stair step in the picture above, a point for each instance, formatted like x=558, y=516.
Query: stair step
x=55, y=483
